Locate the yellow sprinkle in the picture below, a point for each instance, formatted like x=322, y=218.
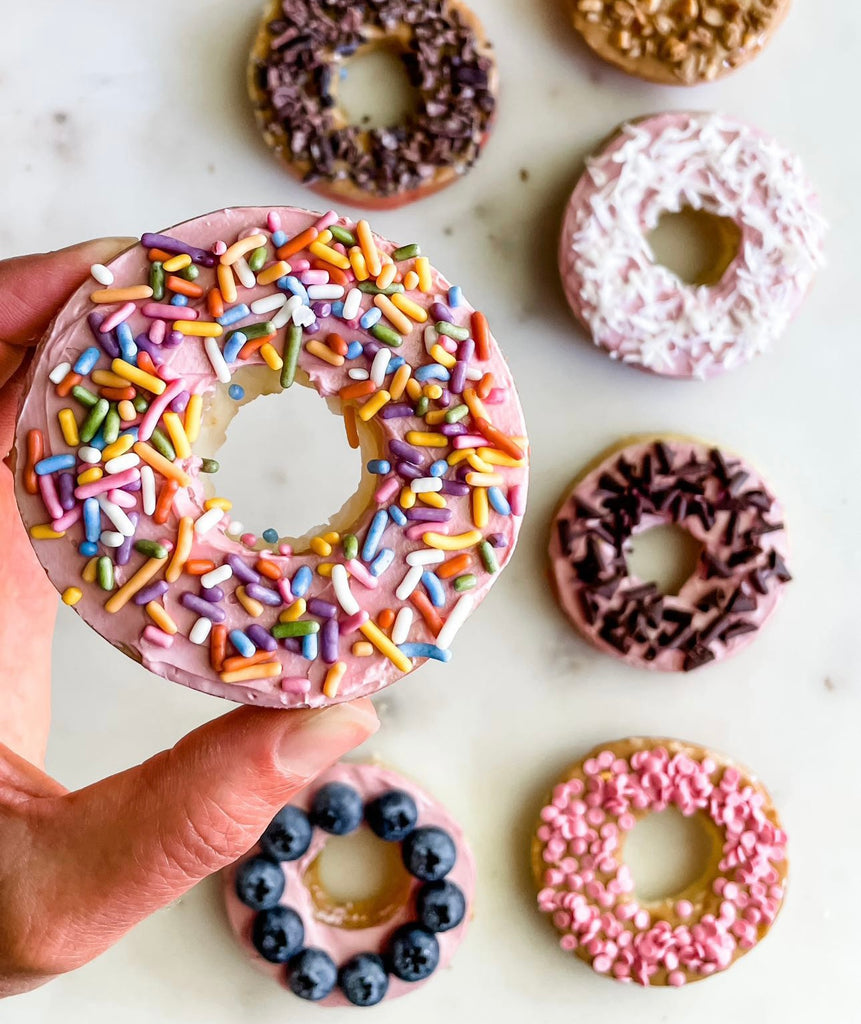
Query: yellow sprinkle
x=325, y=237
x=71, y=595
x=333, y=679
x=324, y=569
x=373, y=405
x=407, y=498
x=266, y=670
x=270, y=356
x=127, y=411
x=320, y=547
x=485, y=479
x=332, y=537
x=254, y=608
x=226, y=283
x=413, y=310
x=480, y=508
x=118, y=600
x=435, y=417
x=423, y=269
x=184, y=541
x=90, y=475
x=69, y=427
x=329, y=255
x=294, y=612
x=478, y=464
x=161, y=618
x=176, y=263
x=442, y=542
x=362, y=649
x=386, y=275
x=177, y=434
x=399, y=381
x=494, y=457
x=119, y=447
x=160, y=464
x=321, y=351
x=223, y=503
x=411, y=280
x=441, y=356
x=460, y=455
x=433, y=391
x=235, y=252
x=425, y=439
x=193, y=413
x=385, y=646
x=414, y=389
x=107, y=379
x=475, y=405
x=369, y=248
x=90, y=570
x=132, y=294
x=198, y=328
x=155, y=385
x=395, y=317
x=432, y=499
x=357, y=261
x=269, y=275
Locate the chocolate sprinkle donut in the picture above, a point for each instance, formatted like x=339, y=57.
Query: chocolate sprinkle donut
x=293, y=76
x=721, y=502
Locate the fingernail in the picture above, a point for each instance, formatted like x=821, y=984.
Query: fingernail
x=323, y=736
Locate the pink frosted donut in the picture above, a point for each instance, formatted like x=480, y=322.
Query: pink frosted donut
x=639, y=311
x=721, y=501
x=342, y=953
x=136, y=381
x=588, y=891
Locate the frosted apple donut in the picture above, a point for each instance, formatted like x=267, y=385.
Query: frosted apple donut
x=640, y=312
x=137, y=377
x=589, y=893
x=725, y=506
x=293, y=77
x=354, y=952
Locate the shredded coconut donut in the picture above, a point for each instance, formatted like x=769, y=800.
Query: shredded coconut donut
x=641, y=312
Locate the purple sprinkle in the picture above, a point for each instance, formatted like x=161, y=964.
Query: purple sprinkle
x=242, y=571
x=463, y=471
x=313, y=327
x=170, y=244
x=66, y=487
x=107, y=341
x=134, y=485
x=402, y=450
x=458, y=377
x=200, y=607
x=329, y=641
x=466, y=350
x=455, y=488
x=371, y=348
x=292, y=644
x=444, y=399
x=408, y=471
x=451, y=429
x=180, y=402
x=322, y=309
x=124, y=551
x=151, y=593
x=440, y=312
x=212, y=594
x=322, y=609
x=173, y=339
x=428, y=515
x=497, y=540
x=260, y=638
x=395, y=412
x=263, y=594
x=153, y=351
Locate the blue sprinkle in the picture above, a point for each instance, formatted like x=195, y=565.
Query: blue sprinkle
x=338, y=309
x=373, y=536
x=455, y=296
x=87, y=360
x=498, y=501
x=397, y=515
x=309, y=645
x=236, y=392
x=233, y=315
x=432, y=371
x=99, y=442
x=270, y=536
x=373, y=316
x=234, y=343
x=278, y=238
x=294, y=285
x=379, y=466
x=302, y=581
x=425, y=651
x=55, y=463
x=125, y=338
x=383, y=560
x=354, y=349
x=244, y=644
x=433, y=586
x=132, y=432
x=88, y=549
x=395, y=363
x=179, y=300
x=439, y=468
x=92, y=520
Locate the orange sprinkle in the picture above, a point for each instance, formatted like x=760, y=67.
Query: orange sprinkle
x=369, y=248
x=226, y=283
x=484, y=386
x=481, y=336
x=161, y=618
x=323, y=352
x=427, y=611
x=337, y=344
x=254, y=346
x=214, y=303
x=233, y=664
x=35, y=452
x=386, y=619
x=357, y=261
x=270, y=274
x=159, y=256
x=118, y=394
x=71, y=380
x=454, y=566
x=199, y=566
x=362, y=649
x=358, y=390
x=160, y=464
x=145, y=363
x=183, y=287
x=350, y=426
x=268, y=568
x=217, y=646
x=184, y=540
x=297, y=243
x=165, y=501
x=131, y=294
x=497, y=438
x=336, y=276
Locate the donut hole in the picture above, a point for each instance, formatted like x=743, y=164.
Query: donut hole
x=666, y=555
x=669, y=854
x=357, y=881
x=373, y=87
x=697, y=246
x=285, y=461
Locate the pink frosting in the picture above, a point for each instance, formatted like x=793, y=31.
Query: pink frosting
x=301, y=681
x=343, y=943
x=641, y=312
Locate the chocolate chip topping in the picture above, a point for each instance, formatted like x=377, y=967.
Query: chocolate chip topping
x=706, y=487
x=450, y=68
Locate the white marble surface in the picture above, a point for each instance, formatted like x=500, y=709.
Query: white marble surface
x=119, y=118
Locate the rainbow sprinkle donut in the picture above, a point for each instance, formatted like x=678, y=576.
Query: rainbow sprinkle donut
x=586, y=888
x=120, y=507
x=640, y=312
x=356, y=952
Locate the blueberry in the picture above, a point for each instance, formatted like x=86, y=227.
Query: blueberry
x=288, y=835
x=392, y=816
x=311, y=974
x=277, y=934
x=364, y=980
x=441, y=905
x=413, y=953
x=336, y=808
x=259, y=883
x=429, y=853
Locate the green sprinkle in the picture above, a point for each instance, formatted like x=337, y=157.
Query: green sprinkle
x=161, y=442
x=156, y=280
x=369, y=288
x=465, y=582
x=209, y=465
x=456, y=413
x=151, y=548
x=94, y=419
x=291, y=355
x=282, y=630
x=84, y=396
x=105, y=573
x=111, y=430
x=350, y=544
x=422, y=406
x=387, y=336
x=452, y=330
x=190, y=273
x=140, y=403
x=257, y=259
x=407, y=252
x=342, y=235
x=253, y=331
x=488, y=556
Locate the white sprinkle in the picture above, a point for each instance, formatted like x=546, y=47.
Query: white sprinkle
x=431, y=337
x=304, y=316
x=409, y=582
x=325, y=292
x=91, y=456
x=352, y=304
x=212, y=517
x=59, y=372
x=117, y=516
x=147, y=490
x=401, y=628
x=244, y=273
x=213, y=354
x=268, y=303
x=425, y=556
x=234, y=528
x=459, y=614
x=101, y=273
x=122, y=462
x=357, y=373
x=341, y=583
x=110, y=539
x=286, y=312
x=200, y=630
x=380, y=365
x=218, y=576
x=473, y=373
x=426, y=485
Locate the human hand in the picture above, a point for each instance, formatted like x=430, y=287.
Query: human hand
x=79, y=869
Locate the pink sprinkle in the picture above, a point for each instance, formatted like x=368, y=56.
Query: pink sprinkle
x=676, y=979
x=496, y=397
x=387, y=490
x=315, y=277
x=107, y=483
x=299, y=266
x=684, y=909
x=157, y=636
x=249, y=539
x=157, y=331
x=157, y=407
x=448, y=344
x=326, y=220
x=469, y=441
x=295, y=684
x=117, y=317
x=68, y=519
x=219, y=248
x=50, y=500
x=361, y=574
x=418, y=530
x=273, y=221
x=285, y=549
x=164, y=311
x=285, y=590
x=122, y=498
x=351, y=624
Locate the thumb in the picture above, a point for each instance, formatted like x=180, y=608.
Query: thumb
x=139, y=840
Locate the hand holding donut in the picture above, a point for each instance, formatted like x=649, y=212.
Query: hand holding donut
x=151, y=829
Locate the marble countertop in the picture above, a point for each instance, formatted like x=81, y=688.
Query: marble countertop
x=124, y=118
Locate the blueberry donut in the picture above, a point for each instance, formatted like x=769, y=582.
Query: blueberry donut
x=588, y=892
x=717, y=498
x=131, y=393
x=640, y=312
x=354, y=952
x=293, y=81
